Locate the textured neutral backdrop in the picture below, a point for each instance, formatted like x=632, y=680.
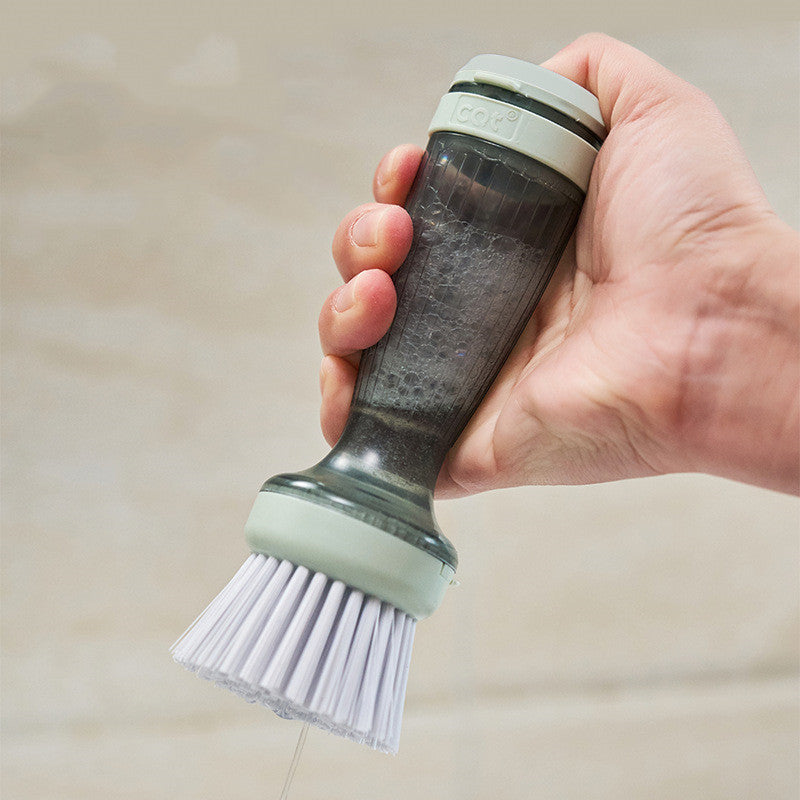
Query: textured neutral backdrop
x=172, y=175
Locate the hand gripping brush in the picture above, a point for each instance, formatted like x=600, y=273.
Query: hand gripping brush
x=318, y=623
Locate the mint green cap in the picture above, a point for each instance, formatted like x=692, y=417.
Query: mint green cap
x=510, y=125
x=537, y=83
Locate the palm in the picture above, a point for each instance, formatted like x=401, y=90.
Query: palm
x=594, y=385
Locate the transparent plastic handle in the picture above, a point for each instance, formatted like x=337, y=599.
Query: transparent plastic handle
x=489, y=228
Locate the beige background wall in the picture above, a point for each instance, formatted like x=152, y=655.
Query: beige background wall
x=172, y=175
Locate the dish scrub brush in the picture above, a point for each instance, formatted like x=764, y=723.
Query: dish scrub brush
x=318, y=623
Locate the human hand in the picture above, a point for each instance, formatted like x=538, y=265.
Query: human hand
x=668, y=338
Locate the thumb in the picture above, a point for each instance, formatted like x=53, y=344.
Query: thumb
x=626, y=82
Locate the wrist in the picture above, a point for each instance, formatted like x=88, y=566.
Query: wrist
x=742, y=372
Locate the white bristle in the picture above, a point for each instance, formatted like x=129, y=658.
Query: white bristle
x=308, y=647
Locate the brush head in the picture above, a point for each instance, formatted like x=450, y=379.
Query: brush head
x=307, y=646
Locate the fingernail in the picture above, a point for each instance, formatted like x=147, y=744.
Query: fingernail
x=346, y=296
x=386, y=168
x=364, y=232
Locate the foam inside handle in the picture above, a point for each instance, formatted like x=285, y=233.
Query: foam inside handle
x=489, y=228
